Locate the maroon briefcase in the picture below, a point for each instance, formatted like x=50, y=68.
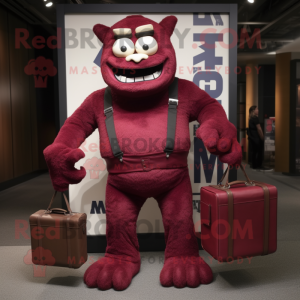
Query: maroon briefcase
x=238, y=219
x=58, y=237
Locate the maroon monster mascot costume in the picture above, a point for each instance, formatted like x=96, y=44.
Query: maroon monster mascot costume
x=143, y=119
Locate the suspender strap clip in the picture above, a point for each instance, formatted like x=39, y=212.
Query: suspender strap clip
x=108, y=110
x=173, y=102
x=119, y=156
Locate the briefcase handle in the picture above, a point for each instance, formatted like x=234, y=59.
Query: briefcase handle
x=228, y=184
x=59, y=209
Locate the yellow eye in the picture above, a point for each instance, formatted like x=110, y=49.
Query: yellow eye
x=123, y=47
x=146, y=45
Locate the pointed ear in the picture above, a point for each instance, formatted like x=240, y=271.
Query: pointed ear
x=168, y=23
x=101, y=31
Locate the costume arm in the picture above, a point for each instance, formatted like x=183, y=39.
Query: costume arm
x=63, y=153
x=79, y=125
x=218, y=134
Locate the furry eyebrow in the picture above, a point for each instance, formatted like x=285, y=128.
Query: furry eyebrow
x=122, y=33
x=144, y=30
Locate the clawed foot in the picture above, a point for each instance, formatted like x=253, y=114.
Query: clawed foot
x=184, y=271
x=107, y=273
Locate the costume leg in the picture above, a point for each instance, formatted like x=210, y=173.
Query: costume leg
x=183, y=266
x=122, y=258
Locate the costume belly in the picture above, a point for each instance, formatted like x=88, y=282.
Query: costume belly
x=148, y=184
x=125, y=163
x=145, y=163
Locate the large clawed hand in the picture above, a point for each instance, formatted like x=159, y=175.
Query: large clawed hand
x=220, y=139
x=60, y=161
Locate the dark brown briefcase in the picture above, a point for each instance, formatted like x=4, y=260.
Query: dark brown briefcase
x=58, y=237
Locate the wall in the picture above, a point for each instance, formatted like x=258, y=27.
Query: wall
x=282, y=111
x=251, y=94
x=266, y=92
x=295, y=115
x=6, y=157
x=23, y=134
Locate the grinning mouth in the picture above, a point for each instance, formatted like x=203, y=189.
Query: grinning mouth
x=136, y=75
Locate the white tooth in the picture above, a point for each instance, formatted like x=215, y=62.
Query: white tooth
x=156, y=74
x=148, y=77
x=128, y=79
x=138, y=79
x=118, y=77
x=122, y=78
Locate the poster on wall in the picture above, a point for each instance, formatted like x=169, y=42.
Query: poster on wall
x=207, y=67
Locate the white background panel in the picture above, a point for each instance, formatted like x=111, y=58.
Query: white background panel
x=88, y=79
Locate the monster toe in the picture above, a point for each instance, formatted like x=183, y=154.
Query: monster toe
x=192, y=276
x=104, y=279
x=122, y=278
x=185, y=271
x=91, y=274
x=109, y=273
x=166, y=274
x=206, y=274
x=179, y=276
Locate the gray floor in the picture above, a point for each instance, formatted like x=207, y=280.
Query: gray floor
x=276, y=276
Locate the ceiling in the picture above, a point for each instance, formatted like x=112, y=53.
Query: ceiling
x=278, y=22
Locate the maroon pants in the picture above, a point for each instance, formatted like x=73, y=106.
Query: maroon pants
x=126, y=194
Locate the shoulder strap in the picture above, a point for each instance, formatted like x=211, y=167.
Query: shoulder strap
x=110, y=126
x=172, y=115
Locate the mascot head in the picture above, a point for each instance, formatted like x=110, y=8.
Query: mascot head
x=137, y=56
